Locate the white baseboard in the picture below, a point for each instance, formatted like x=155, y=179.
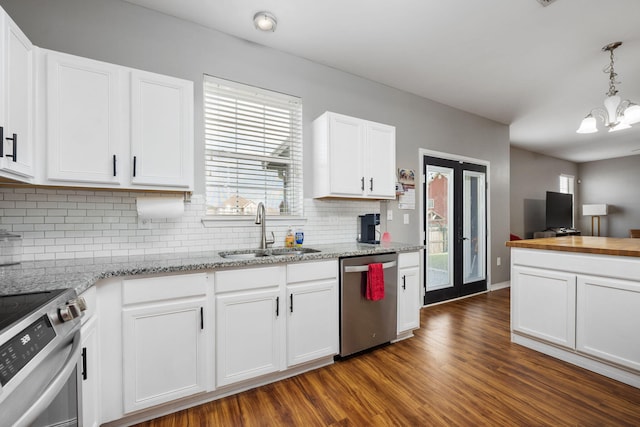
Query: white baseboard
x=501, y=285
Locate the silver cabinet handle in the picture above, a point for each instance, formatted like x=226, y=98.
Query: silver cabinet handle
x=363, y=268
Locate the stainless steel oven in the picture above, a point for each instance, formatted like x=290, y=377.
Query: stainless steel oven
x=39, y=351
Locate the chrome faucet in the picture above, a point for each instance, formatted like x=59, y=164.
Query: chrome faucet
x=261, y=218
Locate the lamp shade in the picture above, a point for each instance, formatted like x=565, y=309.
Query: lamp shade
x=588, y=125
x=594, y=210
x=632, y=114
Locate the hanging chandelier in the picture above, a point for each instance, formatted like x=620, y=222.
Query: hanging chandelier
x=616, y=114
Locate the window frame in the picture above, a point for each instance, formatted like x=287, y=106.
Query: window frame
x=215, y=87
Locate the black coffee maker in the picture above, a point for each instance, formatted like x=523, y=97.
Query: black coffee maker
x=367, y=228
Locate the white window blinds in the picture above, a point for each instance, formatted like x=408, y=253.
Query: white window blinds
x=253, y=149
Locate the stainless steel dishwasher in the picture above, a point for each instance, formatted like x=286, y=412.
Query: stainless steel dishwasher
x=365, y=323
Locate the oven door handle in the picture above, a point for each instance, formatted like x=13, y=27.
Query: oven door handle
x=54, y=386
x=365, y=268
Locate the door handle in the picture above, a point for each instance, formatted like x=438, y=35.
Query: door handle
x=114, y=165
x=371, y=184
x=364, y=268
x=362, y=183
x=14, y=156
x=404, y=283
x=291, y=303
x=84, y=363
x=277, y=306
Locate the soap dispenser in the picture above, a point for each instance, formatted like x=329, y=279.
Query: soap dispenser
x=289, y=239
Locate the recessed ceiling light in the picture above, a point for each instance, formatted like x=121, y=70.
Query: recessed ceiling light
x=265, y=21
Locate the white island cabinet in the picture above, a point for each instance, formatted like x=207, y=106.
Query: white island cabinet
x=353, y=158
x=578, y=307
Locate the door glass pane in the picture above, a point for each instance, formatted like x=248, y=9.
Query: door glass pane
x=474, y=226
x=439, y=222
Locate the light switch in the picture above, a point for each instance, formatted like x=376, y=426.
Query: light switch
x=406, y=218
x=389, y=215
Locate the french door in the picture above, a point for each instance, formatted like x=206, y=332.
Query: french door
x=455, y=209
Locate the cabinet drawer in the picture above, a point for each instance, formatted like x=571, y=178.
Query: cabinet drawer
x=305, y=271
x=161, y=288
x=250, y=278
x=409, y=259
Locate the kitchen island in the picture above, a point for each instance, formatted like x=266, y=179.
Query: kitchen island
x=578, y=299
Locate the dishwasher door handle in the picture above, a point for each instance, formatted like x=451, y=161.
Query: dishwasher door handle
x=365, y=268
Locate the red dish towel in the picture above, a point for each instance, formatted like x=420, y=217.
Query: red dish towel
x=375, y=282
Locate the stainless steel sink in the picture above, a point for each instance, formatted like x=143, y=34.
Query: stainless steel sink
x=262, y=253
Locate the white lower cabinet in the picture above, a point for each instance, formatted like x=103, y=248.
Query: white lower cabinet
x=608, y=319
x=249, y=323
x=88, y=372
x=408, y=292
x=543, y=305
x=312, y=313
x=164, y=339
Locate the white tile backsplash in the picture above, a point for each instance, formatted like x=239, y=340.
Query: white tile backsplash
x=64, y=223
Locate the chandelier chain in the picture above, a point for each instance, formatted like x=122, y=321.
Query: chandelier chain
x=612, y=75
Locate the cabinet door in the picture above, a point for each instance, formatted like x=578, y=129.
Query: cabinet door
x=248, y=336
x=18, y=101
x=312, y=321
x=164, y=353
x=381, y=161
x=84, y=120
x=408, y=299
x=346, y=155
x=88, y=372
x=543, y=305
x=608, y=320
x=161, y=130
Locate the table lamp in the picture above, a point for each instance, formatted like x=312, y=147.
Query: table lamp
x=595, y=212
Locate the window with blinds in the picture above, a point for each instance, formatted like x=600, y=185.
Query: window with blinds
x=253, y=149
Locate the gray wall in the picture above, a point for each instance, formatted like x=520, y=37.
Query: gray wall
x=614, y=182
x=122, y=33
x=532, y=175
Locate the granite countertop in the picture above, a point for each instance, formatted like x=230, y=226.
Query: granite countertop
x=583, y=244
x=82, y=273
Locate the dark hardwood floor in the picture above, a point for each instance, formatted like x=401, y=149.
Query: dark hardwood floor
x=459, y=369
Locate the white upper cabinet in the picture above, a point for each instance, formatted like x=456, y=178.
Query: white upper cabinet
x=353, y=158
x=16, y=102
x=115, y=127
x=161, y=130
x=84, y=120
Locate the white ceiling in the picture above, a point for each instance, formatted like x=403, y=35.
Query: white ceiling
x=538, y=69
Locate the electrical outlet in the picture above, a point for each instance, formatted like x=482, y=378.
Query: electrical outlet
x=498, y=261
x=389, y=215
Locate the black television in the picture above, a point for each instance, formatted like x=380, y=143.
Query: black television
x=559, y=210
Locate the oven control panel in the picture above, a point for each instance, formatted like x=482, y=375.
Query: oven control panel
x=19, y=350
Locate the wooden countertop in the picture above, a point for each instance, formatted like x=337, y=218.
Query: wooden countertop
x=583, y=244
